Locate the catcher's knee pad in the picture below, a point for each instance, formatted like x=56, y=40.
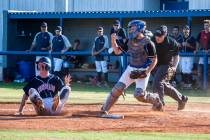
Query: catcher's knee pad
x=117, y=90
x=64, y=93
x=145, y=96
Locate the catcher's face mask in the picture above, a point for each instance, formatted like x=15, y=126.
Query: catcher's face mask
x=135, y=27
x=132, y=32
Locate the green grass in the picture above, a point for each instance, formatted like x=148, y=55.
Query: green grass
x=61, y=135
x=86, y=94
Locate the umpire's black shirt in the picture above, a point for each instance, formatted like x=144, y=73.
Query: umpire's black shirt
x=166, y=51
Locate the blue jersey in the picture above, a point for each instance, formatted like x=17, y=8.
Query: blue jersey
x=46, y=87
x=58, y=44
x=99, y=44
x=42, y=41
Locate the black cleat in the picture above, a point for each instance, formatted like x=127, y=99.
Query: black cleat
x=157, y=105
x=181, y=104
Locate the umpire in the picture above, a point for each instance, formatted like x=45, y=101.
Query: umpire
x=168, y=59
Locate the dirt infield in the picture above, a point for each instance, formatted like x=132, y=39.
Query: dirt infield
x=194, y=119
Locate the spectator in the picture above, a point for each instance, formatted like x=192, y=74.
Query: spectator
x=203, y=45
x=60, y=43
x=42, y=42
x=188, y=45
x=100, y=45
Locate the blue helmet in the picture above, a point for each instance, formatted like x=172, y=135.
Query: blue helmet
x=46, y=61
x=140, y=27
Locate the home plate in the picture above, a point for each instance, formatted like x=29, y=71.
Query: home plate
x=112, y=116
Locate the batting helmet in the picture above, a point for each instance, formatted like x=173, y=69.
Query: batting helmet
x=46, y=61
x=140, y=27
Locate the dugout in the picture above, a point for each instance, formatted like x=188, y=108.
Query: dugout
x=22, y=26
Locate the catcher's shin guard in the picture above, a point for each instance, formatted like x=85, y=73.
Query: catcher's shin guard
x=147, y=97
x=112, y=98
x=37, y=101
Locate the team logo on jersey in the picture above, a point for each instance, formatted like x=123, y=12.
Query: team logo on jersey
x=46, y=86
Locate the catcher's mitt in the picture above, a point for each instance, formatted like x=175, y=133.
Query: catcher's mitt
x=138, y=74
x=170, y=74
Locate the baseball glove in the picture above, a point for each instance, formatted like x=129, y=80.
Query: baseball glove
x=138, y=74
x=170, y=74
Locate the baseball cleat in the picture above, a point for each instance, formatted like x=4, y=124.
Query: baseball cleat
x=39, y=105
x=157, y=105
x=55, y=103
x=181, y=104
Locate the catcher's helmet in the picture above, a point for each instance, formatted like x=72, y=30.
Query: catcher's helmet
x=46, y=61
x=140, y=27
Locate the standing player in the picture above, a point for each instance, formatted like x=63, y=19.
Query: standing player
x=47, y=92
x=60, y=43
x=188, y=45
x=101, y=44
x=121, y=38
x=168, y=59
x=176, y=35
x=142, y=60
x=120, y=33
x=42, y=42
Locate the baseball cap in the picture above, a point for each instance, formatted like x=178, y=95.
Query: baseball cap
x=58, y=28
x=186, y=27
x=116, y=22
x=100, y=29
x=162, y=30
x=44, y=24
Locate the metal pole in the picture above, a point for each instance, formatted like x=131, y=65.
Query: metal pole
x=61, y=22
x=189, y=22
x=205, y=71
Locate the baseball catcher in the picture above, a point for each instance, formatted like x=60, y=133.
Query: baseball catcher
x=142, y=60
x=47, y=92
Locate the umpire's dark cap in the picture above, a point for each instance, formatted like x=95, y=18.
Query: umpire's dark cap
x=44, y=24
x=162, y=30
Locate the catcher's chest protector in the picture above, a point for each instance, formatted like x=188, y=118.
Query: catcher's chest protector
x=138, y=51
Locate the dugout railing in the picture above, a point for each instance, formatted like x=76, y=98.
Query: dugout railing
x=88, y=53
